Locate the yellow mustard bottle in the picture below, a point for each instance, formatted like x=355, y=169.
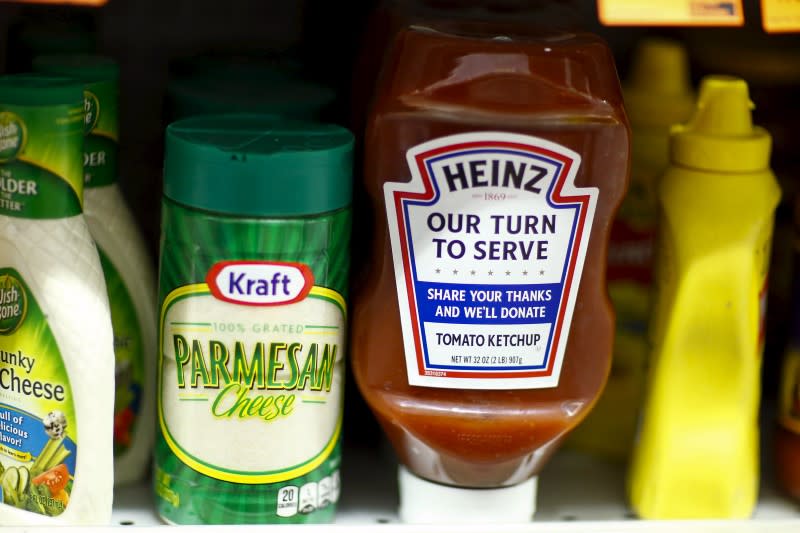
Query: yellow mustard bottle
x=697, y=453
x=658, y=94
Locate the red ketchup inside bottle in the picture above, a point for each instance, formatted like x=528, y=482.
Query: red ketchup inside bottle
x=495, y=159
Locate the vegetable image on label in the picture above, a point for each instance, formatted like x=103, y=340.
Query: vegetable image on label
x=38, y=447
x=488, y=240
x=236, y=360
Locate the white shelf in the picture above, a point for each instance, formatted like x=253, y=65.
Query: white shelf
x=577, y=494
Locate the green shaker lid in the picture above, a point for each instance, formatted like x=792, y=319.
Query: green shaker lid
x=258, y=165
x=39, y=89
x=286, y=97
x=87, y=68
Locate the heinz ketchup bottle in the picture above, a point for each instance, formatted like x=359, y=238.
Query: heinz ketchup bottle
x=482, y=334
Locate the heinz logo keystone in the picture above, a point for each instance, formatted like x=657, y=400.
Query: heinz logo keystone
x=260, y=282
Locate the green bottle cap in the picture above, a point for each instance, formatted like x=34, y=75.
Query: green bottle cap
x=286, y=97
x=39, y=89
x=258, y=165
x=87, y=68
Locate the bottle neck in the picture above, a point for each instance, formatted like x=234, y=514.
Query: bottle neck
x=41, y=170
x=101, y=130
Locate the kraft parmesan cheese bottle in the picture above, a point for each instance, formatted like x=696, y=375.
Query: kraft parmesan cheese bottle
x=127, y=268
x=56, y=342
x=252, y=291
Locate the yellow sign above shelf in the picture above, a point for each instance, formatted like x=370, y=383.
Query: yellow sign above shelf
x=670, y=12
x=780, y=16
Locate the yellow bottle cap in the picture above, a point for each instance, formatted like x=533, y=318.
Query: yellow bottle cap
x=721, y=136
x=658, y=92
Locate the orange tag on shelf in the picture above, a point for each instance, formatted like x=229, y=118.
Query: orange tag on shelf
x=780, y=16
x=670, y=12
x=95, y=3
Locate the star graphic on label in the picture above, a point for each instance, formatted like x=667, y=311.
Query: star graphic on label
x=455, y=272
x=541, y=272
x=508, y=272
x=490, y=272
x=472, y=272
x=438, y=270
x=524, y=272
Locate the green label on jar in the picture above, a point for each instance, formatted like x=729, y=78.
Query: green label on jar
x=251, y=368
x=40, y=167
x=101, y=127
x=38, y=429
x=128, y=355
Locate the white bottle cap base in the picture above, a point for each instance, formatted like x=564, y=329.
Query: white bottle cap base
x=425, y=502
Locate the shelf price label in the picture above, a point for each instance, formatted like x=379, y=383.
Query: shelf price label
x=671, y=12
x=780, y=16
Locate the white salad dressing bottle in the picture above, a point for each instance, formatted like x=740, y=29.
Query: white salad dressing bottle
x=126, y=264
x=56, y=341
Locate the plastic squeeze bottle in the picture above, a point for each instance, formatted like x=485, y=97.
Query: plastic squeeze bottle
x=658, y=95
x=128, y=270
x=481, y=335
x=56, y=342
x=697, y=453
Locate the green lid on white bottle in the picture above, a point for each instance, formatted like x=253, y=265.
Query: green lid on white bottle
x=258, y=165
x=88, y=68
x=41, y=137
x=100, y=76
x=39, y=89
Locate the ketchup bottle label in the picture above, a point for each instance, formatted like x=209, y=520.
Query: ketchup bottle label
x=488, y=239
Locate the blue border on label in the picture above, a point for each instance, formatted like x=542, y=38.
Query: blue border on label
x=576, y=207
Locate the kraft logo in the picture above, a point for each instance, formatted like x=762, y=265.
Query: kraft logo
x=260, y=283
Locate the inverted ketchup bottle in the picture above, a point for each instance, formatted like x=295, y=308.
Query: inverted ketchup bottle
x=482, y=333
